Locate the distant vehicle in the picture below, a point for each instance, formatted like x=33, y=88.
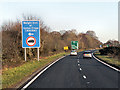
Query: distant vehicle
x=73, y=52
x=87, y=54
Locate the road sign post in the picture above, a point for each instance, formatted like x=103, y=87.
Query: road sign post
x=31, y=35
x=25, y=54
x=38, y=53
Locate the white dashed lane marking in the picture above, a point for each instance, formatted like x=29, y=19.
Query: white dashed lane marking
x=84, y=77
x=78, y=64
x=80, y=69
x=88, y=82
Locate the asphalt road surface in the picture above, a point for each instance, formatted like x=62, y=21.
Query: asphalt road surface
x=76, y=72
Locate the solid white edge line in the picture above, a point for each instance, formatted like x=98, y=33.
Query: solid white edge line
x=106, y=64
x=40, y=74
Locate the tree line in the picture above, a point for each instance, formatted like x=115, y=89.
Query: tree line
x=51, y=41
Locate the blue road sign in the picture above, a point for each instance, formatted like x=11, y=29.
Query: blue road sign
x=30, y=34
x=100, y=46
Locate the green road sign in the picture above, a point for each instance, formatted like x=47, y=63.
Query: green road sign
x=74, y=44
x=107, y=45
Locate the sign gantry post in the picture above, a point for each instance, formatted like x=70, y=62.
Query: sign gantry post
x=31, y=35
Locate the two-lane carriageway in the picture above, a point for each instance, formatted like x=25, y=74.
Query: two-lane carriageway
x=76, y=72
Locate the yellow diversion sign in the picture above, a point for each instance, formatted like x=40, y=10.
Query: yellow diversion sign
x=66, y=48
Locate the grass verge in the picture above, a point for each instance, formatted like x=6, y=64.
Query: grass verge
x=108, y=59
x=12, y=76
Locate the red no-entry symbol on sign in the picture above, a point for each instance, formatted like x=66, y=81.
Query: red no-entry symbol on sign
x=31, y=41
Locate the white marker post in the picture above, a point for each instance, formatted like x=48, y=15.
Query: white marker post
x=25, y=54
x=38, y=53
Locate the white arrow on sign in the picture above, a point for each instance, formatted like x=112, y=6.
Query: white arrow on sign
x=30, y=34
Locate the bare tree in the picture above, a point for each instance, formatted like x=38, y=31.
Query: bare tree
x=51, y=42
x=92, y=34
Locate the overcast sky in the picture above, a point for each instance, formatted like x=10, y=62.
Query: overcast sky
x=101, y=17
